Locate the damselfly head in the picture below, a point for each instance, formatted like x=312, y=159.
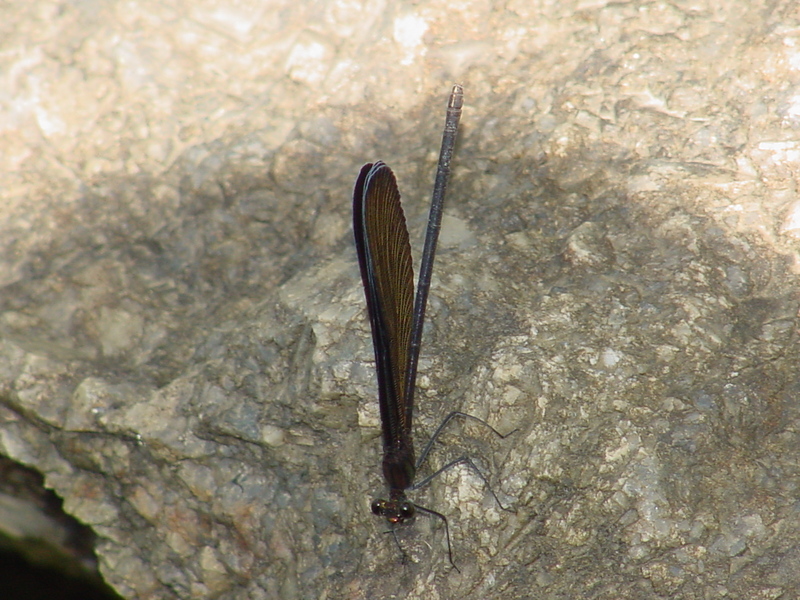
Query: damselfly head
x=394, y=511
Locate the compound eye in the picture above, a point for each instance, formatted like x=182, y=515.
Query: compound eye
x=406, y=510
x=378, y=507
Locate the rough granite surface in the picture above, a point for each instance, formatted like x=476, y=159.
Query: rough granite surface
x=184, y=349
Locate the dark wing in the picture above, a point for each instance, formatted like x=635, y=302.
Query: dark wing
x=384, y=256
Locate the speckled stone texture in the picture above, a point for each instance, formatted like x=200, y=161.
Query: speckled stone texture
x=184, y=349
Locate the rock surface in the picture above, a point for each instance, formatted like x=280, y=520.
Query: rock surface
x=184, y=352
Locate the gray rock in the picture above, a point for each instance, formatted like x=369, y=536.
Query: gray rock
x=184, y=351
